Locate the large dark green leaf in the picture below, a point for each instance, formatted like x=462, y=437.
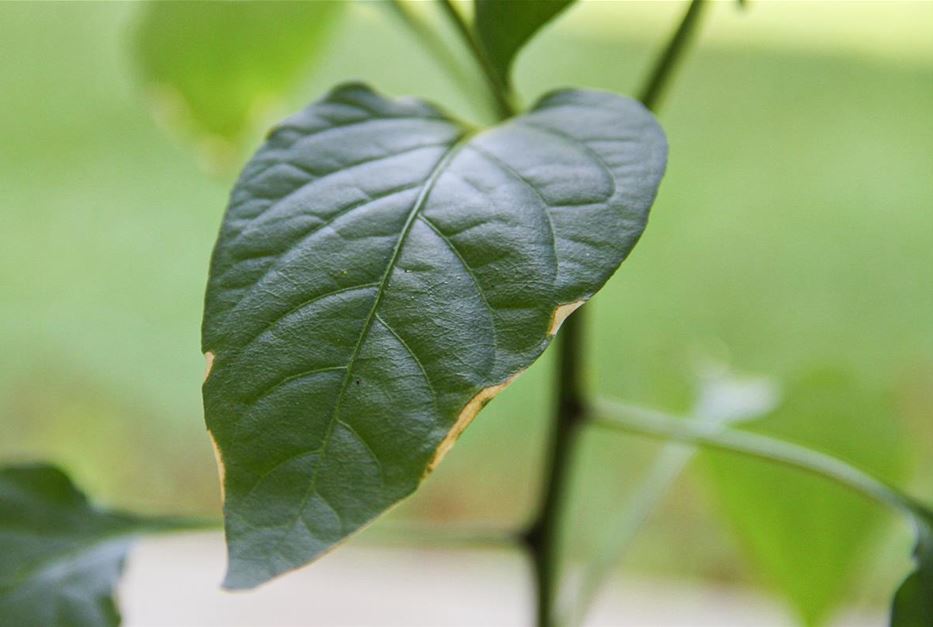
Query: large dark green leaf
x=382, y=272
x=913, y=603
x=60, y=557
x=503, y=27
x=807, y=535
x=215, y=66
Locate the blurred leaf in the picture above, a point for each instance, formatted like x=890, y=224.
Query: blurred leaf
x=913, y=603
x=60, y=557
x=806, y=534
x=722, y=397
x=217, y=67
x=503, y=27
x=381, y=273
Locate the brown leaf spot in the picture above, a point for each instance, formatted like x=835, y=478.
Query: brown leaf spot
x=467, y=414
x=221, y=469
x=560, y=314
x=209, y=361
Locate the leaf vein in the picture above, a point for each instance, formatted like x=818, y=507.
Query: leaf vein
x=306, y=236
x=520, y=177
x=266, y=391
x=365, y=444
x=408, y=348
x=574, y=141
x=470, y=272
x=419, y=203
x=268, y=326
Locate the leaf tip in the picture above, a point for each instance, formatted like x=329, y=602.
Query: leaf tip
x=351, y=89
x=233, y=582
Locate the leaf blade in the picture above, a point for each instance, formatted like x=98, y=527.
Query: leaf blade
x=407, y=270
x=213, y=67
x=59, y=556
x=913, y=602
x=805, y=534
x=503, y=28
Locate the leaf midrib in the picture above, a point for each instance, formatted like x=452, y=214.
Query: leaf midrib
x=418, y=205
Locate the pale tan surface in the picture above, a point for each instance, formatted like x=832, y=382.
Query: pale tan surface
x=173, y=582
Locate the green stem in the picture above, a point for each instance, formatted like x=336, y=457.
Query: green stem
x=665, y=470
x=383, y=533
x=446, y=536
x=663, y=69
x=633, y=419
x=499, y=92
x=173, y=524
x=542, y=536
x=462, y=77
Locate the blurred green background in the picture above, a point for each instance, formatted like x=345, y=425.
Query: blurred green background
x=793, y=237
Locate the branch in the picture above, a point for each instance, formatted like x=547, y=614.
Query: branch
x=542, y=537
x=498, y=91
x=435, y=45
x=663, y=69
x=655, y=424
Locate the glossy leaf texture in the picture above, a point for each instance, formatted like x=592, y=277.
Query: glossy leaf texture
x=60, y=556
x=503, y=27
x=214, y=67
x=383, y=271
x=809, y=536
x=913, y=602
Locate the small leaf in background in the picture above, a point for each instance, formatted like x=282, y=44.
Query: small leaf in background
x=503, y=27
x=913, y=602
x=381, y=273
x=722, y=397
x=60, y=557
x=216, y=68
x=806, y=534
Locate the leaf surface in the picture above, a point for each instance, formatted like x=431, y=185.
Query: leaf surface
x=503, y=27
x=382, y=272
x=913, y=602
x=809, y=536
x=215, y=66
x=60, y=557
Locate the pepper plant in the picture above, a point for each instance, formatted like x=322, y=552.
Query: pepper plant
x=382, y=272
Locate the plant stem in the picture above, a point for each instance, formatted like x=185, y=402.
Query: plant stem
x=623, y=529
x=499, y=92
x=663, y=69
x=460, y=75
x=446, y=536
x=157, y=525
x=632, y=419
x=542, y=536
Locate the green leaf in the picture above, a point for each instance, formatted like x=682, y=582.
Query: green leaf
x=60, y=557
x=913, y=603
x=216, y=67
x=503, y=27
x=381, y=273
x=807, y=535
